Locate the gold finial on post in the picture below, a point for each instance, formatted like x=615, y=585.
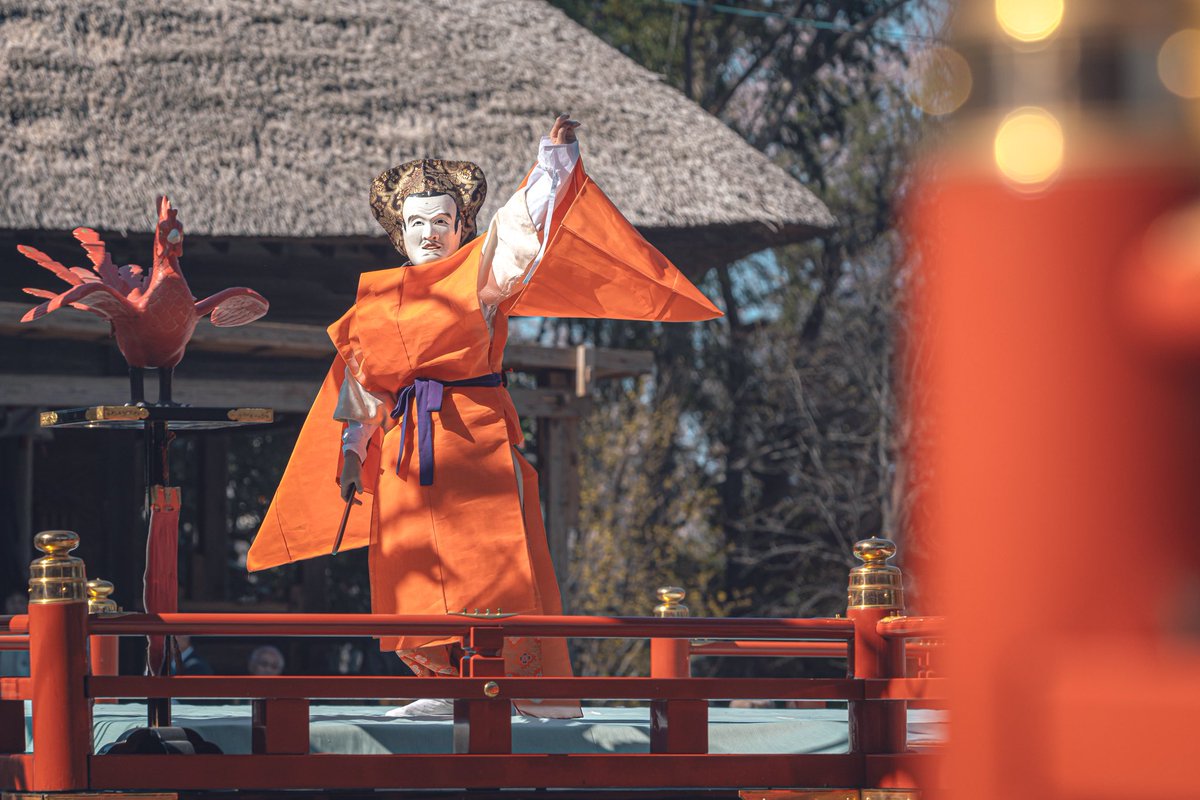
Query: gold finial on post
x=58, y=576
x=99, y=601
x=670, y=602
x=876, y=583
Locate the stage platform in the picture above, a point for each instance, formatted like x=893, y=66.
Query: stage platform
x=364, y=730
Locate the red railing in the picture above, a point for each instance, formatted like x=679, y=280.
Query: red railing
x=14, y=642
x=18, y=624
x=454, y=625
x=62, y=691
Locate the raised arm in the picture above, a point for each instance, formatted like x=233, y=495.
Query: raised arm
x=515, y=243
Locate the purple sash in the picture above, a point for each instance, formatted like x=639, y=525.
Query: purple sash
x=427, y=395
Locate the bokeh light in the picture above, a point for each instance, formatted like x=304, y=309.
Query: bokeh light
x=939, y=80
x=1029, y=20
x=1179, y=63
x=1029, y=147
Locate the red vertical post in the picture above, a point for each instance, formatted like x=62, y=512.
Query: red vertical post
x=62, y=719
x=279, y=726
x=676, y=726
x=484, y=724
x=670, y=658
x=102, y=650
x=876, y=592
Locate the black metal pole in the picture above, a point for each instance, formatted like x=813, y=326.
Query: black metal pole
x=158, y=472
x=137, y=386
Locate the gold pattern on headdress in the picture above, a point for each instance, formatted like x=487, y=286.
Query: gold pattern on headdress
x=462, y=180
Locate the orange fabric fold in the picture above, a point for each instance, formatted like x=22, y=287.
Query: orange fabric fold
x=598, y=266
x=303, y=517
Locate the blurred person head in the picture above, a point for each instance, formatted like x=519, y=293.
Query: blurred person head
x=265, y=660
x=754, y=703
x=16, y=603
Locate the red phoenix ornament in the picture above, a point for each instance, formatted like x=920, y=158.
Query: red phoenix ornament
x=152, y=314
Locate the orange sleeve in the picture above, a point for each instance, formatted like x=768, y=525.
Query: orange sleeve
x=597, y=265
x=303, y=517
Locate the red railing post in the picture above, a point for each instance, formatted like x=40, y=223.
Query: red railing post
x=102, y=650
x=670, y=658
x=876, y=592
x=58, y=630
x=484, y=724
x=676, y=726
x=279, y=726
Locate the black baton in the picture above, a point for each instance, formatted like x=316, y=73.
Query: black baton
x=337, y=542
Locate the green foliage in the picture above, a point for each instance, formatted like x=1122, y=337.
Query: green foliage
x=645, y=521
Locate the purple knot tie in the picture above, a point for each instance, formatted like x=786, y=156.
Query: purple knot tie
x=427, y=394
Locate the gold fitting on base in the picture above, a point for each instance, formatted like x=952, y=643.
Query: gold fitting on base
x=491, y=689
x=251, y=414
x=57, y=577
x=116, y=413
x=99, y=602
x=670, y=602
x=876, y=583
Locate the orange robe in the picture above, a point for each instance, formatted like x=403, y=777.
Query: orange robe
x=464, y=541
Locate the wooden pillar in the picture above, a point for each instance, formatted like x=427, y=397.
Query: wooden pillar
x=23, y=493
x=558, y=472
x=210, y=567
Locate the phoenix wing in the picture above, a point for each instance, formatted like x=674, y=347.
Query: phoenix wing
x=233, y=307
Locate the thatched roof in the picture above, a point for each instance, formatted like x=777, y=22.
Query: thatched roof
x=269, y=118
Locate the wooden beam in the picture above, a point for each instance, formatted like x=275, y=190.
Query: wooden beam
x=71, y=391
x=606, y=362
x=549, y=403
x=210, y=561
x=285, y=339
x=262, y=338
x=558, y=471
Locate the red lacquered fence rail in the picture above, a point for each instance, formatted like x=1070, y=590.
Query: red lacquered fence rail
x=61, y=636
x=14, y=642
x=912, y=627
x=543, y=626
x=761, y=649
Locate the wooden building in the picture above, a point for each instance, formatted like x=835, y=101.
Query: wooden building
x=264, y=122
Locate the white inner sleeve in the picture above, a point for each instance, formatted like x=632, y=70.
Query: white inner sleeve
x=556, y=161
x=515, y=246
x=356, y=437
x=363, y=412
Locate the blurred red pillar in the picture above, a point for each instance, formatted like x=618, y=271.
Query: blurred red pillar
x=1056, y=324
x=1064, y=466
